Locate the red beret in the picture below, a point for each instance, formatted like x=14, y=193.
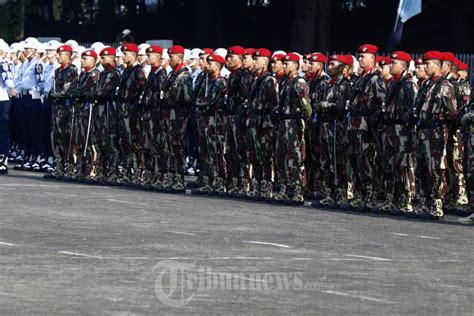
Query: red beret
x=292, y=57
x=341, y=58
x=368, y=48
x=419, y=61
x=434, y=54
x=457, y=62
x=108, y=51
x=176, y=49
x=262, y=52
x=349, y=59
x=448, y=56
x=249, y=51
x=463, y=66
x=385, y=61
x=154, y=49
x=129, y=47
x=236, y=50
x=400, y=55
x=277, y=57
x=318, y=57
x=206, y=51
x=378, y=58
x=64, y=48
x=89, y=52
x=217, y=58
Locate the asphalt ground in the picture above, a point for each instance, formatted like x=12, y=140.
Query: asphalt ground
x=68, y=248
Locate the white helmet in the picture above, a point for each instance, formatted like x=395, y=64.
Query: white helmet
x=142, y=48
x=41, y=48
x=279, y=52
x=165, y=54
x=52, y=45
x=79, y=50
x=72, y=43
x=31, y=42
x=15, y=47
x=97, y=47
x=187, y=54
x=221, y=52
x=194, y=53
x=355, y=64
x=4, y=47
x=118, y=52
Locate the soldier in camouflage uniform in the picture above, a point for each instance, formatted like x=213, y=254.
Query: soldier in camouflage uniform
x=177, y=102
x=152, y=132
x=238, y=87
x=262, y=100
x=293, y=111
x=367, y=98
x=331, y=108
x=456, y=197
x=398, y=139
x=131, y=86
x=438, y=110
x=64, y=78
x=210, y=109
x=83, y=161
x=317, y=82
x=104, y=135
x=467, y=124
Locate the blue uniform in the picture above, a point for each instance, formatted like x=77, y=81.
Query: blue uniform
x=6, y=85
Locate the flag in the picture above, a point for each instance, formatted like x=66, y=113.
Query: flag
x=406, y=10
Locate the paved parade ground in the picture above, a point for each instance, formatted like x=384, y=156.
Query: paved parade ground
x=72, y=248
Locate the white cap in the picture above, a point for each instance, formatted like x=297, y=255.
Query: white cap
x=165, y=54
x=187, y=54
x=72, y=43
x=4, y=47
x=412, y=67
x=279, y=52
x=41, y=48
x=118, y=52
x=52, y=45
x=31, y=42
x=80, y=50
x=194, y=54
x=126, y=32
x=14, y=47
x=221, y=52
x=97, y=47
x=142, y=48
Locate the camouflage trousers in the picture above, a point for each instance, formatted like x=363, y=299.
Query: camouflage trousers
x=457, y=192
x=332, y=157
x=60, y=133
x=104, y=139
x=153, y=141
x=212, y=141
x=129, y=135
x=260, y=146
x=236, y=156
x=398, y=165
x=291, y=153
x=379, y=140
x=85, y=154
x=314, y=171
x=431, y=162
x=468, y=138
x=174, y=128
x=361, y=158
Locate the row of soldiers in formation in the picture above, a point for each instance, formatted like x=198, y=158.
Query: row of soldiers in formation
x=368, y=140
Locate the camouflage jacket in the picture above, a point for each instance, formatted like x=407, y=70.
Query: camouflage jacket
x=334, y=98
x=294, y=102
x=64, y=78
x=200, y=79
x=368, y=94
x=400, y=99
x=281, y=80
x=238, y=84
x=317, y=86
x=85, y=86
x=263, y=95
x=439, y=105
x=462, y=90
x=107, y=85
x=131, y=84
x=153, y=87
x=210, y=97
x=178, y=92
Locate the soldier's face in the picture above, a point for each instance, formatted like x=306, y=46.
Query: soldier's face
x=277, y=66
x=420, y=72
x=366, y=60
x=432, y=67
x=233, y=61
x=87, y=62
x=214, y=67
x=385, y=70
x=176, y=59
x=248, y=62
x=314, y=67
x=107, y=60
x=335, y=68
x=305, y=65
x=119, y=60
x=153, y=58
x=463, y=74
x=64, y=57
x=142, y=58
x=397, y=67
x=203, y=61
x=290, y=67
x=260, y=63
x=447, y=67
x=29, y=52
x=50, y=53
